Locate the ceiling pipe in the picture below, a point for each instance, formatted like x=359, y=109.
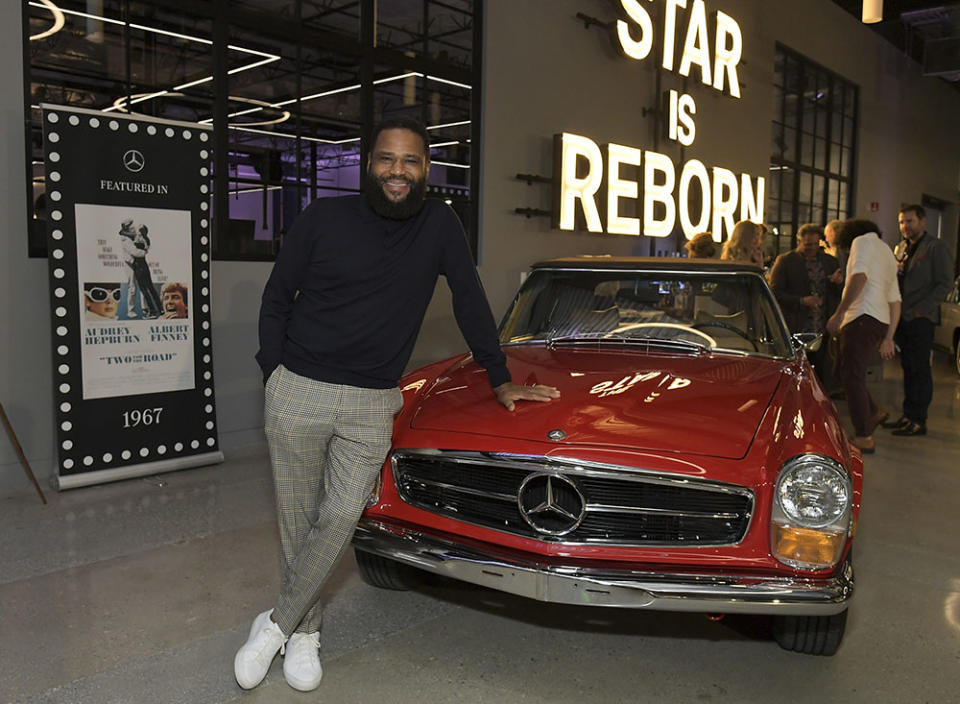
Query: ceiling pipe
x=872, y=11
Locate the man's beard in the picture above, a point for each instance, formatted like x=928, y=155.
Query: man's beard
x=395, y=210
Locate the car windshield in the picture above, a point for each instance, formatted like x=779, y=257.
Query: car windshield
x=689, y=311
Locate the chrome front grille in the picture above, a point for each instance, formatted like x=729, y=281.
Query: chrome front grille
x=611, y=505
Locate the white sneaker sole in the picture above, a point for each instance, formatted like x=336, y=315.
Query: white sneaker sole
x=303, y=685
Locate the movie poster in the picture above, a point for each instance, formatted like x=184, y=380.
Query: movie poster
x=128, y=222
x=133, y=265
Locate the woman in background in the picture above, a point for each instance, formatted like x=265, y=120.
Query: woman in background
x=701, y=246
x=744, y=244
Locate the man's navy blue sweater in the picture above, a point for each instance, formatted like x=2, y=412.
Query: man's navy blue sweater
x=349, y=290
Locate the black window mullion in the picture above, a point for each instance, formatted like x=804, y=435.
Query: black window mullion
x=476, y=113
x=852, y=172
x=424, y=51
x=125, y=15
x=298, y=13
x=313, y=170
x=36, y=246
x=798, y=153
x=368, y=43
x=221, y=136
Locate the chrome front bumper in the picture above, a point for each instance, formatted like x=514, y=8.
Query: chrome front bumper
x=548, y=580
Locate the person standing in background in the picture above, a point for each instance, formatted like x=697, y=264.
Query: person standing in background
x=744, y=242
x=803, y=283
x=925, y=280
x=867, y=316
x=831, y=235
x=701, y=246
x=766, y=253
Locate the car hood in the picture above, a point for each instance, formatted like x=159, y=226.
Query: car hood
x=694, y=404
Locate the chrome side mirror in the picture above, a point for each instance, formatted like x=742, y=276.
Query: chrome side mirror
x=807, y=341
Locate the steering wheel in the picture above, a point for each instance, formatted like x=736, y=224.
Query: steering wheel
x=671, y=326
x=727, y=326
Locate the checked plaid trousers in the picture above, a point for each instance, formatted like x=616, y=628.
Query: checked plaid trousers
x=327, y=444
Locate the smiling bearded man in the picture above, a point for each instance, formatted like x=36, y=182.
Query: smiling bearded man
x=339, y=318
x=395, y=192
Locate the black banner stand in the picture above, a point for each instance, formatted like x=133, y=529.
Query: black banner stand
x=128, y=209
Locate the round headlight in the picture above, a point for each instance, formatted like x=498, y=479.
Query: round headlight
x=813, y=491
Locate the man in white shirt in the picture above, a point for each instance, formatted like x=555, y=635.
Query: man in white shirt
x=867, y=316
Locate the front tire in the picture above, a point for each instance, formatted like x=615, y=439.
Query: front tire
x=384, y=573
x=812, y=635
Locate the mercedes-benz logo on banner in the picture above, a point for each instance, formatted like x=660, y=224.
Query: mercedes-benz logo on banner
x=551, y=504
x=134, y=160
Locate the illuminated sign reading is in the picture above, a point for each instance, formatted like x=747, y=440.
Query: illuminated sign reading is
x=594, y=177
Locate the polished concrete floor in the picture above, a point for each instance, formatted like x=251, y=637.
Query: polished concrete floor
x=141, y=591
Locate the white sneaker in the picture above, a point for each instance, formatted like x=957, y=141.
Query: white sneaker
x=253, y=659
x=301, y=665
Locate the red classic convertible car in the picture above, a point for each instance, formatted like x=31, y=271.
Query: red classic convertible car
x=692, y=463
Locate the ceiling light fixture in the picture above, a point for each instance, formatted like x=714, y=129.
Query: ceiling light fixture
x=261, y=104
x=411, y=74
x=254, y=190
x=335, y=91
x=429, y=78
x=58, y=19
x=316, y=95
x=449, y=82
x=448, y=124
x=872, y=11
x=356, y=86
x=120, y=104
x=270, y=133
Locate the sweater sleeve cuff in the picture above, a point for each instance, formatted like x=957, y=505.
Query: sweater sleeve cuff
x=498, y=375
x=267, y=366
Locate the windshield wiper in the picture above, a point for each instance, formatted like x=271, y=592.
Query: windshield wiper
x=607, y=339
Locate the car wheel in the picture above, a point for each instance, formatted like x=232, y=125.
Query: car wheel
x=384, y=573
x=956, y=357
x=813, y=635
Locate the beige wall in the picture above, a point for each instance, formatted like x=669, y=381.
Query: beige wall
x=25, y=385
x=544, y=73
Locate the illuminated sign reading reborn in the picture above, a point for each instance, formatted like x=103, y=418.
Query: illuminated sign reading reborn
x=700, y=198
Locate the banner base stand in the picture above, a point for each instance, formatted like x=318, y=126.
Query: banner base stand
x=74, y=481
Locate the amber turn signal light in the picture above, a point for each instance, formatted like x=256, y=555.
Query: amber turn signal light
x=813, y=548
